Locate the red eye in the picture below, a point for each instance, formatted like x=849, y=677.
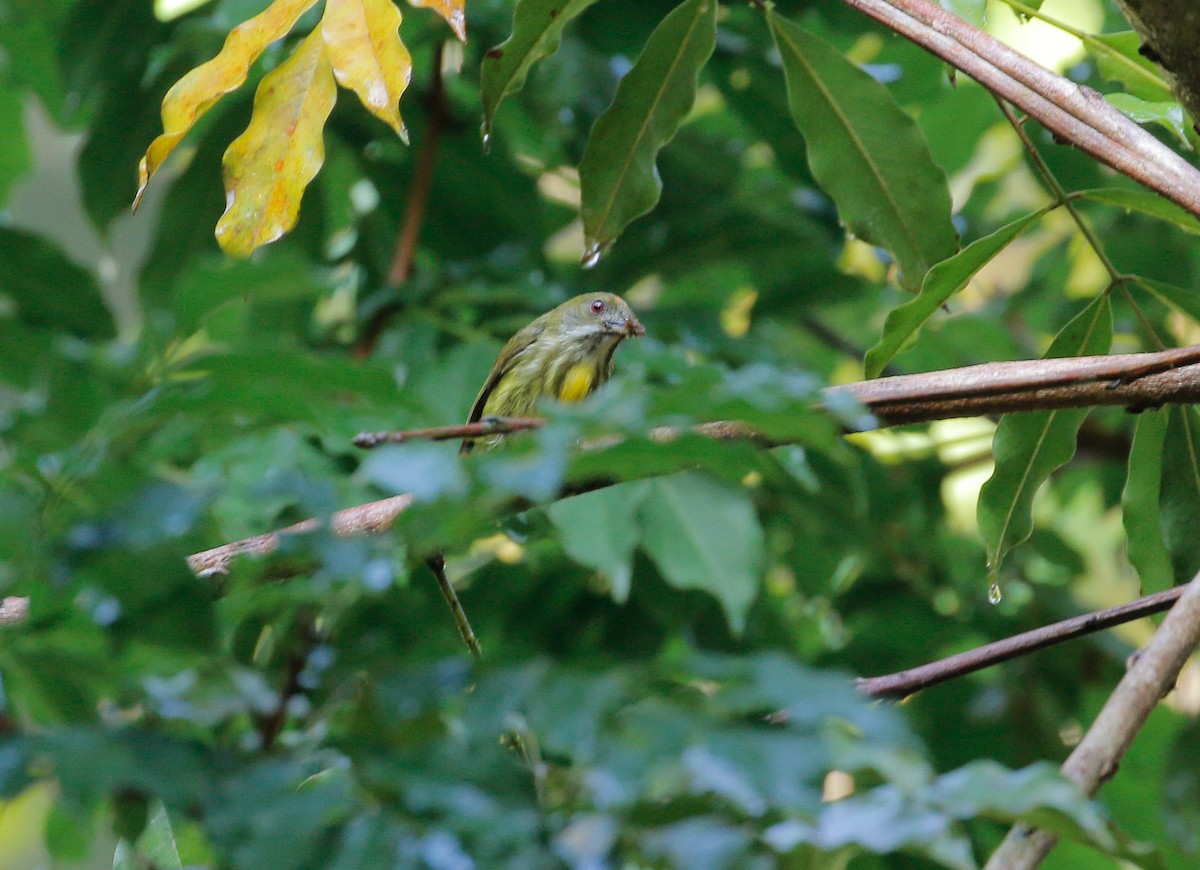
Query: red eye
x=597, y=306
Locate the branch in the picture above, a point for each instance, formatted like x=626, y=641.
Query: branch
x=401, y=267
x=1150, y=676
x=1168, y=28
x=1075, y=114
x=903, y=683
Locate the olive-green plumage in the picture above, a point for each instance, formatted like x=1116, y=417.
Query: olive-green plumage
x=564, y=354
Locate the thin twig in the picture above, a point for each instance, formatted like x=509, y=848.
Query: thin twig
x=1095, y=759
x=1078, y=115
x=271, y=724
x=437, y=564
x=904, y=683
x=487, y=426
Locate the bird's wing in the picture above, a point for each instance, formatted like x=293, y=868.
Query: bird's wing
x=504, y=363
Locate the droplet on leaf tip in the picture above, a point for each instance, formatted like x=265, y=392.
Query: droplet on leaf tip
x=995, y=595
x=591, y=255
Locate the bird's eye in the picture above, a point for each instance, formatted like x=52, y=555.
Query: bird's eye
x=597, y=306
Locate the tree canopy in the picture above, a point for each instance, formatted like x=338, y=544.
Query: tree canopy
x=343, y=211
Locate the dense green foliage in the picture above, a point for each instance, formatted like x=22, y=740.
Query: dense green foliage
x=668, y=661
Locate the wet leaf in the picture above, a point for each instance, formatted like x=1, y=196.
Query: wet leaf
x=867, y=154
x=1140, y=503
x=267, y=168
x=941, y=282
x=704, y=534
x=618, y=178
x=1028, y=447
x=362, y=40
x=537, y=31
x=199, y=90
x=1166, y=113
x=1118, y=60
x=451, y=10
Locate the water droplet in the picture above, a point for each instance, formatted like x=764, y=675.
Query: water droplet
x=994, y=593
x=486, y=135
x=591, y=255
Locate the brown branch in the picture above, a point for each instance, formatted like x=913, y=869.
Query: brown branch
x=1095, y=759
x=1075, y=114
x=409, y=235
x=13, y=609
x=270, y=724
x=904, y=683
x=487, y=426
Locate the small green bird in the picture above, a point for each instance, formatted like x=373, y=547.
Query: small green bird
x=564, y=354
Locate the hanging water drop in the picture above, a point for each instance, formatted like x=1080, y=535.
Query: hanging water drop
x=994, y=593
x=485, y=134
x=591, y=255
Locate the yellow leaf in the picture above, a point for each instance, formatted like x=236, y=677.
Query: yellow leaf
x=363, y=43
x=199, y=90
x=451, y=10
x=267, y=168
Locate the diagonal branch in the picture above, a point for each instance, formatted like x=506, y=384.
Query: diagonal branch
x=1077, y=115
x=1095, y=759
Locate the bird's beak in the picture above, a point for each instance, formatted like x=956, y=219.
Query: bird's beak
x=633, y=328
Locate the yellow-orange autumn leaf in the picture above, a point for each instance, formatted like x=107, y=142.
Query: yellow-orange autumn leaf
x=199, y=90
x=362, y=40
x=267, y=168
x=451, y=10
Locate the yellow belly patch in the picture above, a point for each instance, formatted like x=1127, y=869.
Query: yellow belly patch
x=577, y=383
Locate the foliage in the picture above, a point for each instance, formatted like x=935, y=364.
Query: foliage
x=668, y=660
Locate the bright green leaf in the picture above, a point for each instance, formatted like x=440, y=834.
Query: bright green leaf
x=537, y=31
x=600, y=529
x=941, y=282
x=1167, y=113
x=1028, y=447
x=1118, y=60
x=866, y=153
x=1140, y=503
x=703, y=534
x=618, y=178
x=1146, y=202
x=972, y=11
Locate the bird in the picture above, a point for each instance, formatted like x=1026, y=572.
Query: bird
x=565, y=354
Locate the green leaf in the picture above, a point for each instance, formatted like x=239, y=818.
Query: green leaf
x=1140, y=503
x=703, y=534
x=600, y=529
x=14, y=151
x=1167, y=113
x=1118, y=60
x=157, y=842
x=48, y=289
x=941, y=282
x=867, y=154
x=618, y=177
x=1146, y=202
x=1028, y=447
x=1180, y=500
x=1181, y=299
x=537, y=32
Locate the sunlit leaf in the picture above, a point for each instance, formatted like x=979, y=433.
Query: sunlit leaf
x=1118, y=60
x=941, y=282
x=451, y=11
x=362, y=40
x=1028, y=447
x=703, y=534
x=1180, y=499
x=1167, y=113
x=157, y=842
x=1140, y=503
x=618, y=178
x=267, y=168
x=866, y=153
x=973, y=11
x=537, y=31
x=197, y=92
